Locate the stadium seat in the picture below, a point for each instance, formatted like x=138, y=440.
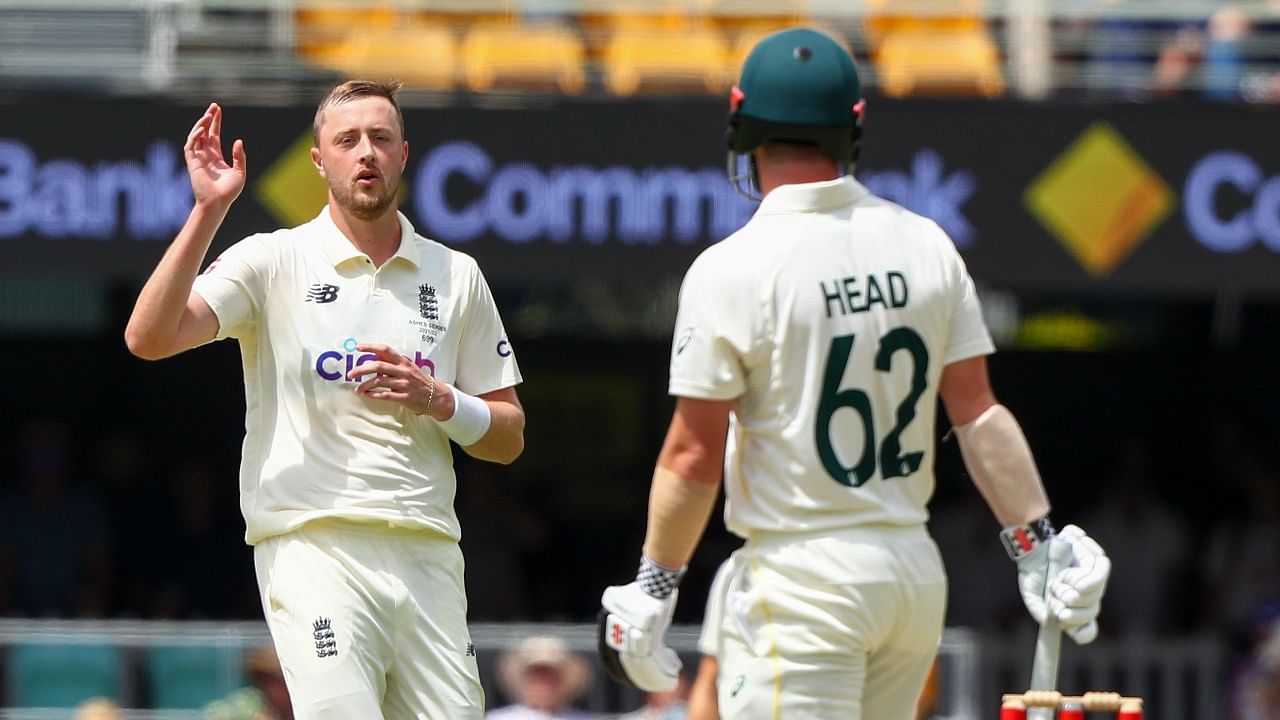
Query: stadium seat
x=523, y=54
x=738, y=17
x=691, y=56
x=636, y=15
x=656, y=45
x=925, y=47
x=189, y=677
x=417, y=54
x=321, y=27
x=63, y=675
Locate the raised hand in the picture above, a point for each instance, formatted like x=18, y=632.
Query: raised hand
x=213, y=181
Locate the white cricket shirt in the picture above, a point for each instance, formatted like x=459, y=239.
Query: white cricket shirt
x=299, y=300
x=828, y=319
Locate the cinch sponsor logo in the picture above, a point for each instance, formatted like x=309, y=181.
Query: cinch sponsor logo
x=519, y=202
x=63, y=198
x=335, y=364
x=1232, y=179
x=1100, y=199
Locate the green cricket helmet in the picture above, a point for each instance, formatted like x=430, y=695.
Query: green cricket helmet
x=798, y=85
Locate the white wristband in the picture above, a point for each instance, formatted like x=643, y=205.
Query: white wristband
x=470, y=419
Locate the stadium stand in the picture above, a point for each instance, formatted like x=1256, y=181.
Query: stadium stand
x=418, y=54
x=928, y=47
x=661, y=48
x=124, y=660
x=78, y=45
x=524, y=54
x=62, y=675
x=191, y=676
x=285, y=48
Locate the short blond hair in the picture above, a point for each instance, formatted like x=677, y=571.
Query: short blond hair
x=353, y=90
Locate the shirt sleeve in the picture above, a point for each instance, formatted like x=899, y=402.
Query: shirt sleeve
x=714, y=333
x=969, y=335
x=234, y=287
x=486, y=360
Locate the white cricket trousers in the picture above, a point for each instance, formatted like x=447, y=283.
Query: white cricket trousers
x=837, y=625
x=369, y=622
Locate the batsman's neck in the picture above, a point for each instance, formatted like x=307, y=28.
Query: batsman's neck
x=790, y=164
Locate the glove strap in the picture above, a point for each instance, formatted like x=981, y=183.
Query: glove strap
x=1020, y=540
x=657, y=580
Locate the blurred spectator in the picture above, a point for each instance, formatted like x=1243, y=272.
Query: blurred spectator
x=1253, y=691
x=266, y=698
x=1229, y=32
x=97, y=709
x=1224, y=59
x=544, y=678
x=1206, y=57
x=671, y=705
x=54, y=546
x=1149, y=544
x=1211, y=60
x=1178, y=59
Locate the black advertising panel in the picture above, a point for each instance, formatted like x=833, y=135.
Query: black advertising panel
x=1160, y=199
x=1164, y=199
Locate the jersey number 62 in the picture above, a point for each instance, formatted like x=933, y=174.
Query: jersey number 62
x=892, y=461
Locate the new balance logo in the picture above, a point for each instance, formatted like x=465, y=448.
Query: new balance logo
x=321, y=293
x=471, y=649
x=326, y=644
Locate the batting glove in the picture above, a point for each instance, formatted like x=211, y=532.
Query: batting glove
x=632, y=638
x=1075, y=594
x=1060, y=576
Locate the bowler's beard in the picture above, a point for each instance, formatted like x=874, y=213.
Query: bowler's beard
x=365, y=205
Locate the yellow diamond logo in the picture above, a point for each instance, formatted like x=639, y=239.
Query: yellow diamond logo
x=291, y=189
x=1100, y=199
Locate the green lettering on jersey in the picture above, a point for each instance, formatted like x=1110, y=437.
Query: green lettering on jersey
x=892, y=462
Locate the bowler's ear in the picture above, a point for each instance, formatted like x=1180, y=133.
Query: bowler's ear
x=315, y=160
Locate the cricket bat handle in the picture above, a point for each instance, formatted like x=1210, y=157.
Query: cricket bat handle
x=1044, y=666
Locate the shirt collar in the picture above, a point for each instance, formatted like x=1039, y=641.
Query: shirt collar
x=339, y=249
x=814, y=196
